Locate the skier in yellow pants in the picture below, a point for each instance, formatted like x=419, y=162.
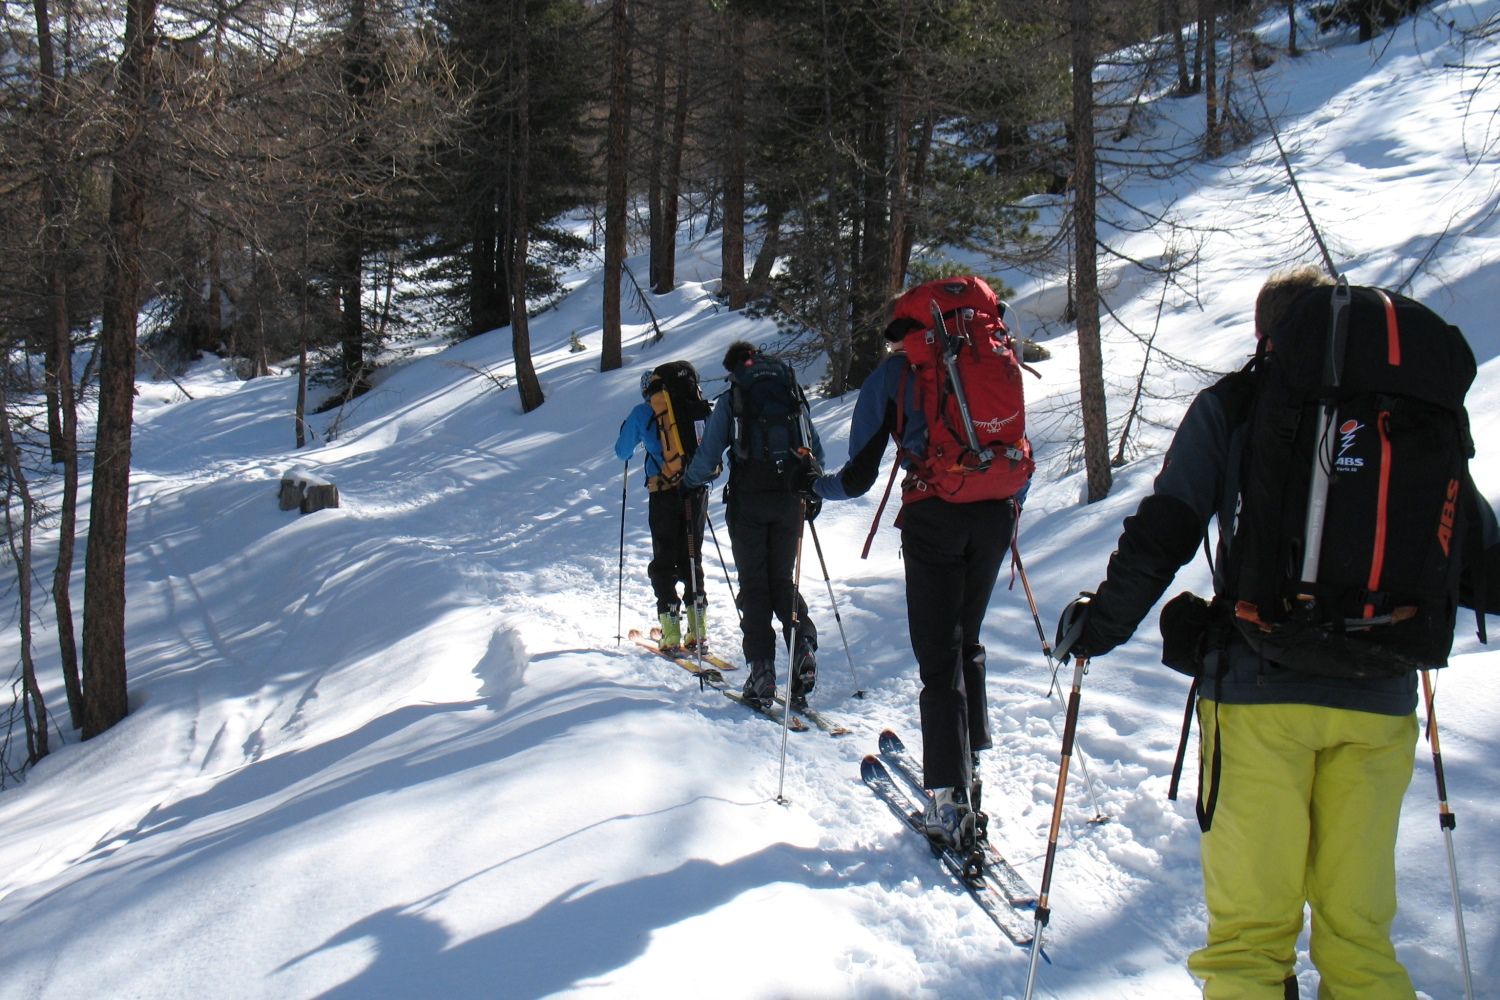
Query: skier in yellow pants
x=1309, y=720
x=1307, y=813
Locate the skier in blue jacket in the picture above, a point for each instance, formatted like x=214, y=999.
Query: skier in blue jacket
x=675, y=559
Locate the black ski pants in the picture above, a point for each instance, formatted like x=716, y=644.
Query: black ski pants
x=763, y=533
x=952, y=554
x=675, y=557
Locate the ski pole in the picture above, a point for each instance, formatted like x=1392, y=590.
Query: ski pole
x=818, y=546
x=1036, y=617
x=620, y=587
x=1447, y=821
x=1043, y=910
x=733, y=597
x=690, y=516
x=791, y=639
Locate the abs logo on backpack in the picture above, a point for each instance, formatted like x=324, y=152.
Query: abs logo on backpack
x=967, y=387
x=1345, y=461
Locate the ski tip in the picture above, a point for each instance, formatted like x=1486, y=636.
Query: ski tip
x=871, y=766
x=634, y=633
x=890, y=742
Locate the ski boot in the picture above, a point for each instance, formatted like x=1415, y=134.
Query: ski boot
x=804, y=673
x=976, y=793
x=948, y=820
x=760, y=686
x=671, y=632
x=696, y=634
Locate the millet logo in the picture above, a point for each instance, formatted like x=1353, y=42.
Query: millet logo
x=1347, y=430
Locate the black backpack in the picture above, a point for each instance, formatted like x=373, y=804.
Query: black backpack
x=1362, y=389
x=770, y=424
x=678, y=411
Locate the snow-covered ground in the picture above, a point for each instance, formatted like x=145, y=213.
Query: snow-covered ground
x=396, y=750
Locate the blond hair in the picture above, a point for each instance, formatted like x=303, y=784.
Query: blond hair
x=1280, y=289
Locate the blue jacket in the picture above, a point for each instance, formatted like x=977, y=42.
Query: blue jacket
x=639, y=427
x=870, y=430
x=719, y=435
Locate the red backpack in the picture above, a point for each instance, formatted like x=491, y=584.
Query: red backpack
x=968, y=388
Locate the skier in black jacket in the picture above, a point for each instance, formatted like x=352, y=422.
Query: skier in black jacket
x=1304, y=773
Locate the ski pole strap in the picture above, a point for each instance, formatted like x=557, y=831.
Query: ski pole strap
x=1182, y=741
x=1474, y=561
x=1205, y=809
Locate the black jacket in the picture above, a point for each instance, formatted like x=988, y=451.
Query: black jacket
x=1195, y=484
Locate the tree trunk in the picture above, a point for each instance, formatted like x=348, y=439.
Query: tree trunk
x=33, y=707
x=1208, y=27
x=62, y=406
x=1090, y=352
x=733, y=253
x=105, y=701
x=895, y=268
x=656, y=154
x=1291, y=28
x=765, y=258
x=1173, y=10
x=520, y=331
x=672, y=182
x=615, y=183
x=358, y=68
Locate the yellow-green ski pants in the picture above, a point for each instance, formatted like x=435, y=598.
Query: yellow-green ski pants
x=1309, y=800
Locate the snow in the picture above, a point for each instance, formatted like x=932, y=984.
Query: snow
x=395, y=749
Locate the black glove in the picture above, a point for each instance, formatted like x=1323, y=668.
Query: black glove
x=807, y=475
x=1071, y=626
x=812, y=505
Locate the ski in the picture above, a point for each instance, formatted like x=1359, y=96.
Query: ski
x=711, y=677
x=707, y=675
x=818, y=719
x=1017, y=892
x=795, y=723
x=692, y=653
x=1015, y=925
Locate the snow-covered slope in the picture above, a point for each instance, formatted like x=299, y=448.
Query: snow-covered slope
x=395, y=749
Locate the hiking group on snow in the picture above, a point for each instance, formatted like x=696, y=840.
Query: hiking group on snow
x=1349, y=533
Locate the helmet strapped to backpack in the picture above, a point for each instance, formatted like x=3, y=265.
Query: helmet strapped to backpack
x=967, y=382
x=678, y=411
x=1353, y=474
x=771, y=432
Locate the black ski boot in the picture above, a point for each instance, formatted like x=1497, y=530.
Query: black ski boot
x=976, y=792
x=760, y=686
x=804, y=672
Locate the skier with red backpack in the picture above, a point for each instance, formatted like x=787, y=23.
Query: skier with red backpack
x=951, y=399
x=1349, y=534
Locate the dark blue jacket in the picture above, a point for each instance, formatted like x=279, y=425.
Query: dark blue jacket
x=718, y=435
x=870, y=430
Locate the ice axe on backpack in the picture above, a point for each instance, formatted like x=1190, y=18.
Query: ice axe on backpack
x=1323, y=455
x=980, y=456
